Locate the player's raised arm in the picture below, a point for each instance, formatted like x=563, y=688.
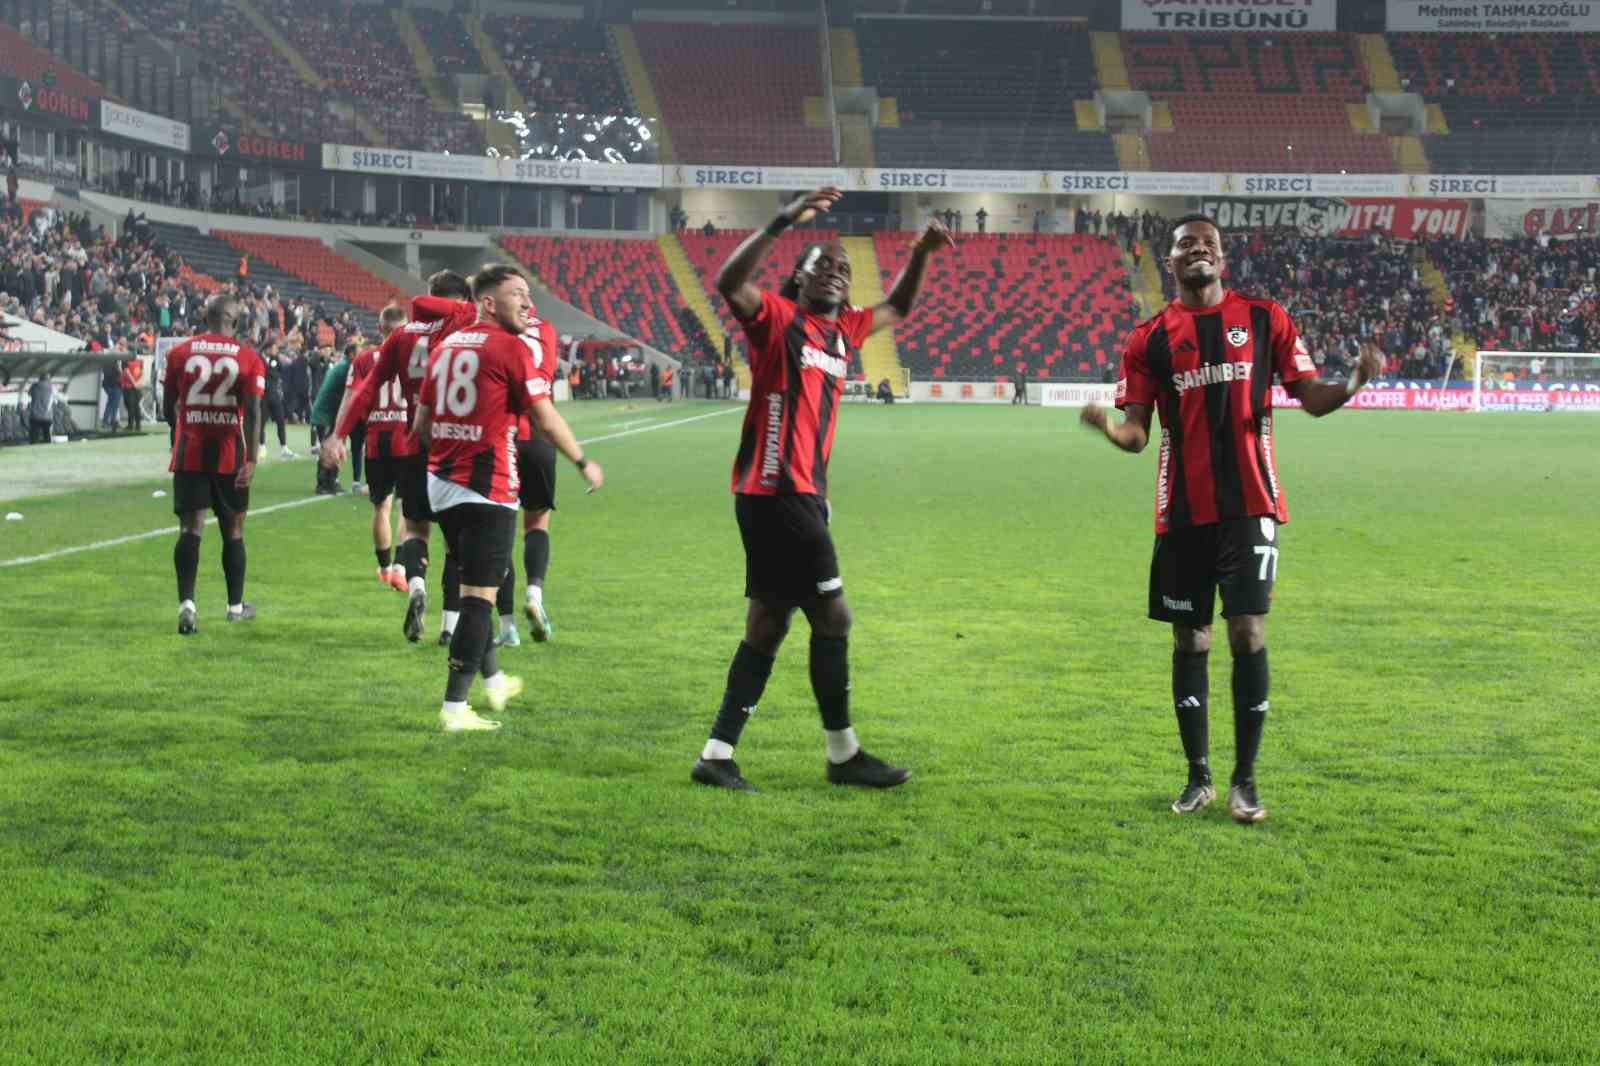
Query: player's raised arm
x=1318, y=398
x=896, y=307
x=733, y=280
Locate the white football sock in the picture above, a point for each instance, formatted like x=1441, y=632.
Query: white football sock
x=416, y=584
x=508, y=622
x=447, y=621
x=717, y=749
x=455, y=706
x=842, y=744
x=497, y=679
x=536, y=594
x=236, y=608
x=187, y=605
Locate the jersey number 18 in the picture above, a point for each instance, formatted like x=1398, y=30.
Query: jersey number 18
x=455, y=379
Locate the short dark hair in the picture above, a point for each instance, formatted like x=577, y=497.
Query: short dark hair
x=449, y=284
x=1179, y=223
x=351, y=349
x=221, y=313
x=790, y=289
x=392, y=315
x=492, y=276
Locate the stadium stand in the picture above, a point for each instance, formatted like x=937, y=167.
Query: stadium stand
x=983, y=95
x=624, y=283
x=219, y=259
x=66, y=276
x=1270, y=104
x=310, y=260
x=560, y=65
x=1056, y=304
x=22, y=58
x=1514, y=103
x=356, y=48
x=1516, y=295
x=749, y=104
x=448, y=41
x=706, y=254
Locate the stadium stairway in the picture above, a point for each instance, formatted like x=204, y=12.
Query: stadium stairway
x=880, y=358
x=1146, y=278
x=299, y=64
x=1466, y=351
x=1110, y=66
x=308, y=259
x=626, y=48
x=855, y=131
x=1375, y=56
x=694, y=296
x=1409, y=155
x=494, y=64
x=422, y=59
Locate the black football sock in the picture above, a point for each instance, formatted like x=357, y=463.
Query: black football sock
x=467, y=647
x=452, y=584
x=505, y=597
x=413, y=555
x=536, y=555
x=357, y=454
x=385, y=557
x=491, y=657
x=233, y=570
x=186, y=557
x=830, y=680
x=1249, y=711
x=1190, y=687
x=747, y=680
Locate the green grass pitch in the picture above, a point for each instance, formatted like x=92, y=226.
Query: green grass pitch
x=254, y=846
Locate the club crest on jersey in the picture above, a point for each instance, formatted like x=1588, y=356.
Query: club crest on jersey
x=1238, y=336
x=1269, y=529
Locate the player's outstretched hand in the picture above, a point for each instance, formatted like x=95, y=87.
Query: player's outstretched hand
x=814, y=203
x=247, y=471
x=593, y=475
x=1093, y=416
x=935, y=238
x=332, y=453
x=1370, y=366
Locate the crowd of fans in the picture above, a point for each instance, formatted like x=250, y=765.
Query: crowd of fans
x=1523, y=295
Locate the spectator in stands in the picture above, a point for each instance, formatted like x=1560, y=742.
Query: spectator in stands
x=727, y=381
x=666, y=384
x=296, y=383
x=708, y=230
x=679, y=217
x=885, y=391
x=111, y=382
x=655, y=381
x=41, y=404
x=133, y=392
x=983, y=219
x=1019, y=383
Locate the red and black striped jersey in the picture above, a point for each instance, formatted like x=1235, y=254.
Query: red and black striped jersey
x=1208, y=372
x=540, y=338
x=403, y=356
x=479, y=381
x=208, y=378
x=798, y=364
x=389, y=419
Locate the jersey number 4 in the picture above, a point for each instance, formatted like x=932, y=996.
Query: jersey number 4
x=455, y=379
x=225, y=370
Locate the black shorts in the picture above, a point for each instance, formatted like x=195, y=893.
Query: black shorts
x=1238, y=556
x=214, y=492
x=412, y=482
x=480, y=536
x=789, y=559
x=383, y=475
x=536, y=466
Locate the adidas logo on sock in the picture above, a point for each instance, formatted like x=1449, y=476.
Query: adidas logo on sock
x=1189, y=701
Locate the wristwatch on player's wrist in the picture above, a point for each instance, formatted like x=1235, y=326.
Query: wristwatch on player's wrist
x=581, y=462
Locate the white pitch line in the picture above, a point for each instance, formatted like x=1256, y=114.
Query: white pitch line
x=169, y=530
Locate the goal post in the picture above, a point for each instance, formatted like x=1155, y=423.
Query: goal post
x=1560, y=381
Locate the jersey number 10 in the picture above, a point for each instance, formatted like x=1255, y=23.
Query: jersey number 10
x=455, y=380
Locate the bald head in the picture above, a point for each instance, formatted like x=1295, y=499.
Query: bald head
x=221, y=314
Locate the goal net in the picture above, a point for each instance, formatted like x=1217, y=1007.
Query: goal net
x=1536, y=381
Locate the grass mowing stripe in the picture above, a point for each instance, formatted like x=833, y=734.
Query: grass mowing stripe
x=167, y=530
